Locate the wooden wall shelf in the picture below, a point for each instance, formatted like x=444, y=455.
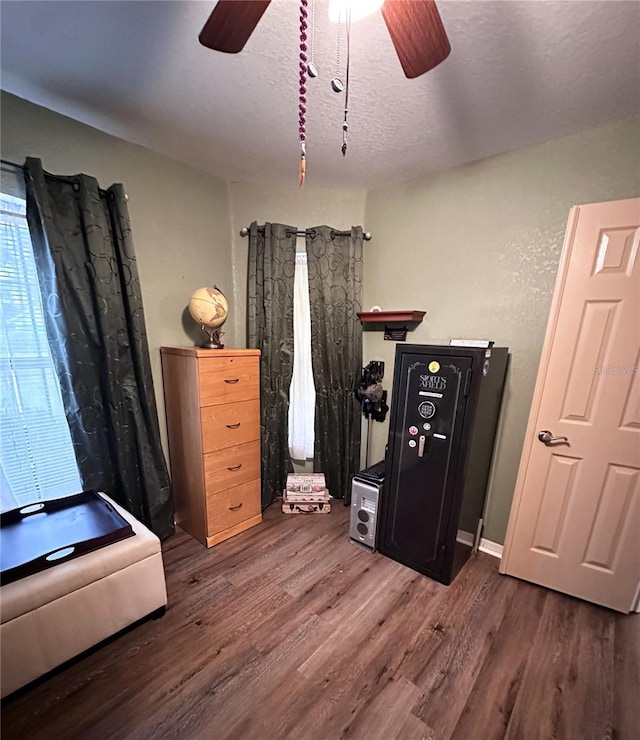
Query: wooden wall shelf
x=395, y=323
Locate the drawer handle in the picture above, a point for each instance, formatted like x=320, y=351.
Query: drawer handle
x=235, y=508
x=233, y=426
x=235, y=467
x=231, y=380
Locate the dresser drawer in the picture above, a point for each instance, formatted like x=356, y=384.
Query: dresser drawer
x=228, y=379
x=230, y=424
x=231, y=467
x=230, y=507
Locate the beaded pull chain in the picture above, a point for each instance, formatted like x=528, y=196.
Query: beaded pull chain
x=336, y=83
x=345, y=125
x=312, y=69
x=302, y=100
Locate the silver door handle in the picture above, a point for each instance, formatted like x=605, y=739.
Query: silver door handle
x=421, y=445
x=547, y=438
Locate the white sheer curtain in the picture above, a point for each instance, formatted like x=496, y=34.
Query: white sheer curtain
x=302, y=393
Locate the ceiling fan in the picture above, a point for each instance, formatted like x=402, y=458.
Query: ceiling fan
x=415, y=28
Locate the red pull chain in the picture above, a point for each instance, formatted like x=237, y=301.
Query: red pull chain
x=302, y=100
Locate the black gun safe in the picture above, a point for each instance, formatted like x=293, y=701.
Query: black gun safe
x=444, y=415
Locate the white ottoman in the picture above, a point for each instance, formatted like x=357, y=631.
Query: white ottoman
x=54, y=615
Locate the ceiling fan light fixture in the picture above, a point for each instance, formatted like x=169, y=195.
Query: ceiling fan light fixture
x=359, y=9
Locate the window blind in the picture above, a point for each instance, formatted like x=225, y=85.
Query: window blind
x=36, y=454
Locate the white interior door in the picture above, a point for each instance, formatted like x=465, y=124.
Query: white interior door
x=575, y=518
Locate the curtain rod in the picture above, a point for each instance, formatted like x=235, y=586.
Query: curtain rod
x=12, y=164
x=311, y=232
x=57, y=178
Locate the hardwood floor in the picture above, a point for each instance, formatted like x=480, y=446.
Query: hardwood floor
x=290, y=631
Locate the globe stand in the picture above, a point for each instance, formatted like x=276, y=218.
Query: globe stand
x=214, y=338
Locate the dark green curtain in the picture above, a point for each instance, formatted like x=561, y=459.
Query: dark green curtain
x=95, y=321
x=271, y=269
x=335, y=294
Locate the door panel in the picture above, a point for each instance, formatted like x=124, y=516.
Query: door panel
x=552, y=513
x=617, y=251
x=576, y=513
x=631, y=410
x=614, y=508
x=595, y=331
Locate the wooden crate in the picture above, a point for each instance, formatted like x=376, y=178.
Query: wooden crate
x=306, y=488
x=309, y=507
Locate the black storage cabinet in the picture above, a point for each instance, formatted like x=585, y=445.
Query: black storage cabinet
x=444, y=415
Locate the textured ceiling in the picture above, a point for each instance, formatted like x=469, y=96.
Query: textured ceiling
x=519, y=73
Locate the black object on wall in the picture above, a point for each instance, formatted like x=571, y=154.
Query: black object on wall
x=444, y=416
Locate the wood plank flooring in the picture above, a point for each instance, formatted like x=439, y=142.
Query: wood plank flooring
x=290, y=631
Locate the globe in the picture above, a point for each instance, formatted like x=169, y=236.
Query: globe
x=209, y=308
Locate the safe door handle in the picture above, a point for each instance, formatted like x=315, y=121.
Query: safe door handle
x=547, y=438
x=423, y=439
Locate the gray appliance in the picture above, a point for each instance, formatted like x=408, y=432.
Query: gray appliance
x=366, y=490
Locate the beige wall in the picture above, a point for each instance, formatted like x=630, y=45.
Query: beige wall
x=179, y=216
x=294, y=206
x=478, y=247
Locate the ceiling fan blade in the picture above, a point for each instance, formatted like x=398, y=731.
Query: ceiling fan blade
x=417, y=33
x=231, y=24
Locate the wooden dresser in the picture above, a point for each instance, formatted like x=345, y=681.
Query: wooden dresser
x=212, y=400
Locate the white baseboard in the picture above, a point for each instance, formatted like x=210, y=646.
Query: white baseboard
x=487, y=546
x=491, y=548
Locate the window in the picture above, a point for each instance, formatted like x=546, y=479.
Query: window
x=302, y=393
x=36, y=454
